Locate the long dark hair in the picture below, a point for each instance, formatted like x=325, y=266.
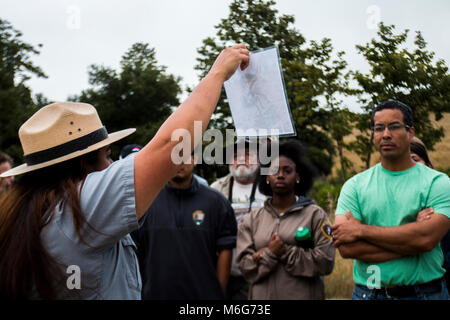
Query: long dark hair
x=25, y=265
x=419, y=149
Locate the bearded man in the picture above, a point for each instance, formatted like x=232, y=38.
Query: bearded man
x=240, y=187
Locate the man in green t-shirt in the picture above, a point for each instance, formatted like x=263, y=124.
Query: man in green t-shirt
x=391, y=217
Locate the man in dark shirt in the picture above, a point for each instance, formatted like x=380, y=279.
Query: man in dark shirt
x=185, y=243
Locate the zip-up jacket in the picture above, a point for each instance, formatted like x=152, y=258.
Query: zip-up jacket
x=297, y=274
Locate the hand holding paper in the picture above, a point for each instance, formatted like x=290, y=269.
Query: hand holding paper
x=257, y=97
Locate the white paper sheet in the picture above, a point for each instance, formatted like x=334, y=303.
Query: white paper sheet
x=257, y=97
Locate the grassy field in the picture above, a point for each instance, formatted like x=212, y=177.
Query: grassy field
x=339, y=284
x=440, y=157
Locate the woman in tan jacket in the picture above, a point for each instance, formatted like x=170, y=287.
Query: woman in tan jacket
x=284, y=249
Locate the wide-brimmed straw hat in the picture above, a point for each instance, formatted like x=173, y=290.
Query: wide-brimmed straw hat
x=62, y=131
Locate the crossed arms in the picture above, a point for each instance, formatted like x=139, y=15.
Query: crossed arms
x=378, y=244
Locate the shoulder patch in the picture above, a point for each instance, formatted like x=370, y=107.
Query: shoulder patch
x=326, y=229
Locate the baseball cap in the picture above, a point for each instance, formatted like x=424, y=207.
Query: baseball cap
x=128, y=149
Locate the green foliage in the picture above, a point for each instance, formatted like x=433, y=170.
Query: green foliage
x=258, y=24
x=140, y=95
x=333, y=83
x=326, y=193
x=255, y=23
x=444, y=170
x=16, y=103
x=409, y=76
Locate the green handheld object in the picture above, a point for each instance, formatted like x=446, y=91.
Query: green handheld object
x=303, y=238
x=302, y=234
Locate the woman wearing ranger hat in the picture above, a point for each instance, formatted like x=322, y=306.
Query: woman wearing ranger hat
x=64, y=226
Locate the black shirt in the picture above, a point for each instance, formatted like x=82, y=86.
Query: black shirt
x=179, y=241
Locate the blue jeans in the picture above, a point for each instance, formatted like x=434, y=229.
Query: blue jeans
x=364, y=293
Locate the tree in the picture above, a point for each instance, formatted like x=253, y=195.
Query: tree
x=140, y=96
x=16, y=103
x=258, y=24
x=409, y=76
x=334, y=83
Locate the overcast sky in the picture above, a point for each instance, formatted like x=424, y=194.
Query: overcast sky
x=77, y=33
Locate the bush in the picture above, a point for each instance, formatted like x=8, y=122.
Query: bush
x=326, y=194
x=444, y=170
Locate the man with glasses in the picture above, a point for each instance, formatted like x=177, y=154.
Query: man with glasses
x=397, y=255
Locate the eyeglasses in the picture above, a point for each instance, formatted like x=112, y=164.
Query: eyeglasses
x=391, y=127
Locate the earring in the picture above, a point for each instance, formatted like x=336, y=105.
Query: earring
x=298, y=181
x=267, y=181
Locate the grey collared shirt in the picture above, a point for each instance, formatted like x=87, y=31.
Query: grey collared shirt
x=107, y=264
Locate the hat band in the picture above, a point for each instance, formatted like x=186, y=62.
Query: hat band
x=66, y=148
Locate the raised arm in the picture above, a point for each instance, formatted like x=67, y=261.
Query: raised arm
x=153, y=165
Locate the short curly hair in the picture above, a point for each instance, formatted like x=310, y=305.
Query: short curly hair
x=296, y=152
x=407, y=112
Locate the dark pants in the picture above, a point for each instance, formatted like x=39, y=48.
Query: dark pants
x=364, y=293
x=237, y=288
x=447, y=279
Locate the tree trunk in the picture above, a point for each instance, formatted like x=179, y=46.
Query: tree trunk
x=341, y=159
x=370, y=152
